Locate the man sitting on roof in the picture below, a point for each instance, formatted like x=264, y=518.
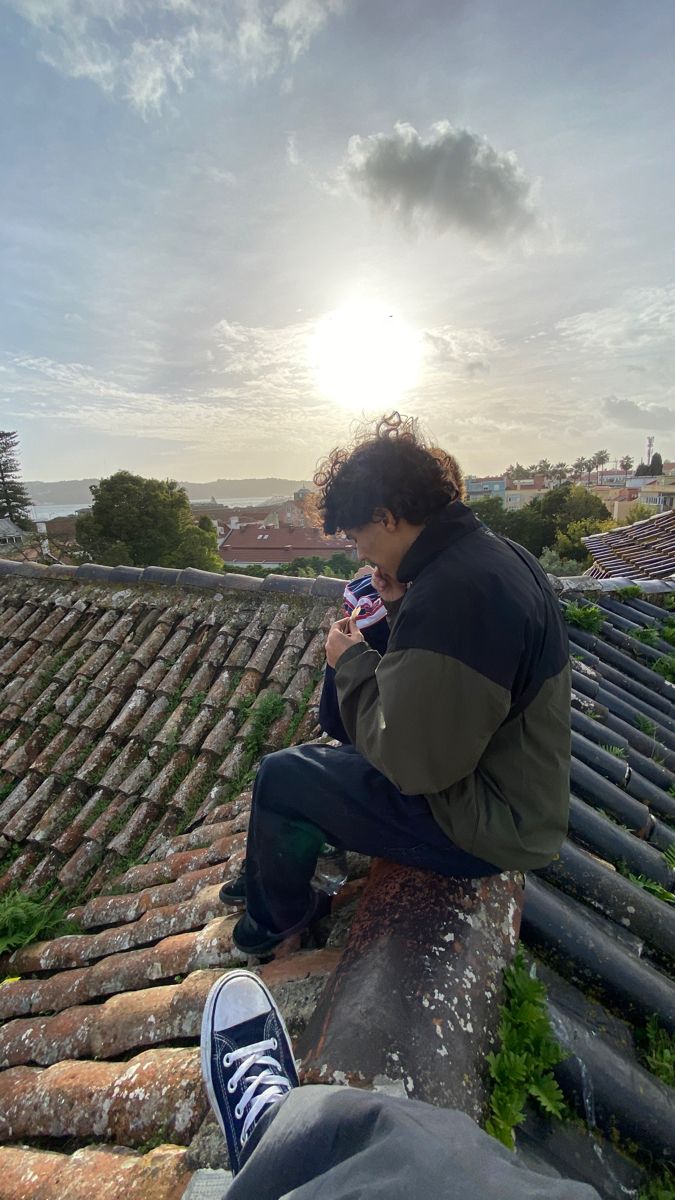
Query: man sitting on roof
x=459, y=761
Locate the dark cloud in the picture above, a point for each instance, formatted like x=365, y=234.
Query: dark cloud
x=638, y=416
x=454, y=178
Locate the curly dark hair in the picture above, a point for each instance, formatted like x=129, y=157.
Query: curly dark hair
x=390, y=466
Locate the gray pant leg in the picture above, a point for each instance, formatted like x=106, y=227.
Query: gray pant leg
x=334, y=1143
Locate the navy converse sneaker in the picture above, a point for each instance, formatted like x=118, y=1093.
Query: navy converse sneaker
x=247, y=1057
x=233, y=893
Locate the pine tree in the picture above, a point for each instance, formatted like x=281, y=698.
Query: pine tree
x=14, y=499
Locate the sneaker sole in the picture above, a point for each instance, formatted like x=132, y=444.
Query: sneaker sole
x=206, y=1034
x=238, y=904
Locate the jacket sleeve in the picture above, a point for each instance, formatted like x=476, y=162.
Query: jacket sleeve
x=420, y=717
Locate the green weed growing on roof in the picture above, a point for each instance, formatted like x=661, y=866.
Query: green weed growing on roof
x=522, y=1068
x=617, y=751
x=263, y=716
x=584, y=616
x=658, y=1051
x=669, y=853
x=645, y=725
x=651, y=886
x=667, y=632
x=648, y=637
x=661, y=1186
x=627, y=593
x=25, y=919
x=666, y=667
x=299, y=715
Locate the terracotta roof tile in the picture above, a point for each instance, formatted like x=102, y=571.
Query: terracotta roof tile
x=100, y=1171
x=132, y=806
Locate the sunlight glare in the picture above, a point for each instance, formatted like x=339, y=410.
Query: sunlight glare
x=365, y=356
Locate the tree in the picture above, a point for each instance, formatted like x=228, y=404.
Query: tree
x=636, y=512
x=553, y=564
x=568, y=543
x=643, y=469
x=656, y=464
x=517, y=471
x=560, y=471
x=14, y=499
x=198, y=547
x=600, y=458
x=578, y=468
x=544, y=467
x=626, y=465
x=206, y=524
x=143, y=522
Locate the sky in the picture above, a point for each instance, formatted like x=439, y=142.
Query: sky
x=230, y=229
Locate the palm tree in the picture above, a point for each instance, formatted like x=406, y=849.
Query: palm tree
x=544, y=468
x=626, y=465
x=578, y=467
x=560, y=471
x=600, y=458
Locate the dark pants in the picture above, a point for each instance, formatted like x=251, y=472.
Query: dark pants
x=337, y=1143
x=308, y=795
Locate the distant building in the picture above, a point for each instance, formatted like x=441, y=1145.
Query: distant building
x=10, y=534
x=480, y=487
x=265, y=545
x=645, y=550
x=659, y=493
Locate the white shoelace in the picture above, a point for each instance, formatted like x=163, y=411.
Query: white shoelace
x=274, y=1085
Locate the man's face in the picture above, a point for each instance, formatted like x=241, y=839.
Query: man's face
x=380, y=543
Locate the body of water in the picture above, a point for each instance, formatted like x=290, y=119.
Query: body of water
x=46, y=512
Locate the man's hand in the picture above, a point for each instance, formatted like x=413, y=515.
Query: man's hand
x=342, y=635
x=389, y=588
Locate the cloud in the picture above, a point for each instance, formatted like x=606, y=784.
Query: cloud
x=453, y=179
x=107, y=41
x=646, y=417
x=644, y=318
x=454, y=353
x=292, y=152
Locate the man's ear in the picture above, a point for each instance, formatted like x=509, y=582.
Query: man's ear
x=387, y=518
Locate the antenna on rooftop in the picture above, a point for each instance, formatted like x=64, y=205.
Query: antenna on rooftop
x=650, y=449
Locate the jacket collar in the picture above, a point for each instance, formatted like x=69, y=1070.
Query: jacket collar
x=455, y=521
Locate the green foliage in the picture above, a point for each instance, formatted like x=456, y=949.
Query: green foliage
x=553, y=564
x=651, y=886
x=666, y=667
x=617, y=751
x=538, y=524
x=568, y=542
x=658, y=1050
x=263, y=716
x=669, y=852
x=648, y=637
x=645, y=725
x=636, y=512
x=299, y=715
x=522, y=1069
x=669, y=602
x=584, y=616
x=14, y=499
x=667, y=632
x=143, y=522
x=627, y=593
x=197, y=547
x=338, y=566
x=24, y=919
x=661, y=1186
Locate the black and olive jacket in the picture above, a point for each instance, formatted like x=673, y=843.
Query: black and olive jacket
x=470, y=704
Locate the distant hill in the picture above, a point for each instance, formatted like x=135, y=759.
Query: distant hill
x=76, y=491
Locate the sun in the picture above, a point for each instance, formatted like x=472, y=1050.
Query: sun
x=365, y=356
